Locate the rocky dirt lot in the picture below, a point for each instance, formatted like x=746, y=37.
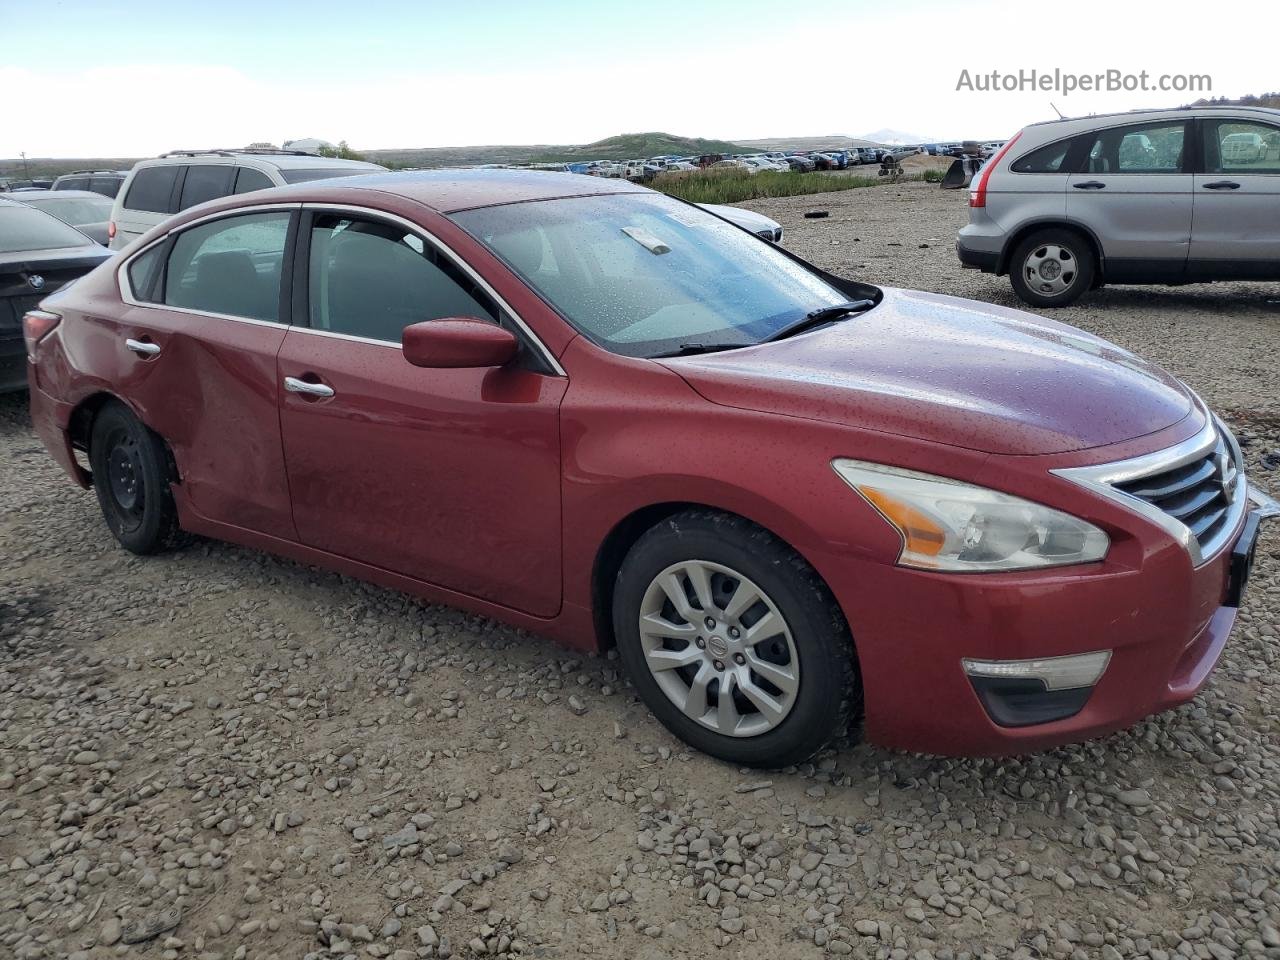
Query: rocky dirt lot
x=218, y=754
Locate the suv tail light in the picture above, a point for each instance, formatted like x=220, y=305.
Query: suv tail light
x=111, y=230
x=978, y=195
x=36, y=325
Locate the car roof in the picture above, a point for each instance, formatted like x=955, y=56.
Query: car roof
x=285, y=161
x=1268, y=112
x=63, y=194
x=449, y=191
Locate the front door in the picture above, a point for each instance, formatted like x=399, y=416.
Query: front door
x=1135, y=197
x=1236, y=227
x=449, y=476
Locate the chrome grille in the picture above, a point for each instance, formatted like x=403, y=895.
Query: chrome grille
x=1196, y=490
x=1196, y=494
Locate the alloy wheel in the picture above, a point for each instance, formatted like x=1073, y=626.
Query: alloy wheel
x=719, y=648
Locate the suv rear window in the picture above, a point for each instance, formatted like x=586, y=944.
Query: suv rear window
x=107, y=186
x=152, y=189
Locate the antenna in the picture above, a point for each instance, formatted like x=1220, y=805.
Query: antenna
x=1057, y=111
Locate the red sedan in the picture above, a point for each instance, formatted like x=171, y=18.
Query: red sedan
x=611, y=417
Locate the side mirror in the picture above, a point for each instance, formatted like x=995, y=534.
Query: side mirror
x=458, y=342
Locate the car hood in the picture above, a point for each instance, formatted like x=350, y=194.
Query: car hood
x=747, y=219
x=951, y=371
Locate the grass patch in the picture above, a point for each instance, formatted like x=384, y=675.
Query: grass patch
x=735, y=186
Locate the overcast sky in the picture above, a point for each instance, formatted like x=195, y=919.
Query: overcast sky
x=137, y=77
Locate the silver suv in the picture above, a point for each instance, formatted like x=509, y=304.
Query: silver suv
x=156, y=189
x=1154, y=196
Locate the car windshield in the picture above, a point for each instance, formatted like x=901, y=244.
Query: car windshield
x=74, y=210
x=25, y=228
x=644, y=274
x=323, y=173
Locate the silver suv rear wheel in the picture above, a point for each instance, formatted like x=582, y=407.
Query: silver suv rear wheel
x=1052, y=268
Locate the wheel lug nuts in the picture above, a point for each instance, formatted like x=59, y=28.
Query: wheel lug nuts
x=739, y=659
x=735, y=632
x=710, y=623
x=719, y=664
x=700, y=643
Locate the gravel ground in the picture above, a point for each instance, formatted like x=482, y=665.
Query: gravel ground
x=219, y=754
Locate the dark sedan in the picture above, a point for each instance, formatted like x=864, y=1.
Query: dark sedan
x=38, y=254
x=88, y=212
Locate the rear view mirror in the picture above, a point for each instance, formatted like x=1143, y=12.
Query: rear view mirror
x=458, y=342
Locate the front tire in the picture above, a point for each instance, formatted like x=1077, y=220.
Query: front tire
x=733, y=641
x=1052, y=268
x=131, y=479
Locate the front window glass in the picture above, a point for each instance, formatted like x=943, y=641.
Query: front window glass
x=643, y=274
x=25, y=228
x=370, y=278
x=230, y=266
x=1152, y=148
x=1237, y=147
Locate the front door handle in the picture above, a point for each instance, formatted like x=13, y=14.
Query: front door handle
x=1090, y=185
x=294, y=385
x=144, y=348
x=1222, y=185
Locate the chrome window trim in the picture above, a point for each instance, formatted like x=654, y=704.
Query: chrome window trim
x=458, y=262
x=1099, y=478
x=126, y=293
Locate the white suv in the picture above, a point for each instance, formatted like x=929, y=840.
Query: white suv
x=157, y=189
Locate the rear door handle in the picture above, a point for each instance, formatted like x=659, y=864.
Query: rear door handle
x=1090, y=185
x=294, y=385
x=1222, y=185
x=143, y=347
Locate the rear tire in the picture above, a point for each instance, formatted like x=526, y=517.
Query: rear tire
x=759, y=699
x=1052, y=268
x=131, y=478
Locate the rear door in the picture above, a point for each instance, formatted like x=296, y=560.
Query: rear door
x=151, y=196
x=1236, y=227
x=196, y=354
x=448, y=476
x=1134, y=195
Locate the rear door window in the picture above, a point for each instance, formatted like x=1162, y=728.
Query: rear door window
x=230, y=266
x=152, y=189
x=205, y=182
x=1145, y=148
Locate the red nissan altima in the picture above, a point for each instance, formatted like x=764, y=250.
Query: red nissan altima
x=596, y=412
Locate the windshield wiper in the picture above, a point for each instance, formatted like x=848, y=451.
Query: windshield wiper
x=815, y=318
x=690, y=349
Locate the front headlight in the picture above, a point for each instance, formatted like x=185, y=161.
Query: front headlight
x=949, y=525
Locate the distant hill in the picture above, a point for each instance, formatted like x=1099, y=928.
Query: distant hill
x=627, y=146
x=807, y=143
x=637, y=146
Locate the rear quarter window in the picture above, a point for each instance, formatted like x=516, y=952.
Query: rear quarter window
x=152, y=189
x=1047, y=159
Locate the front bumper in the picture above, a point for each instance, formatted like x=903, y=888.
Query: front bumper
x=1165, y=623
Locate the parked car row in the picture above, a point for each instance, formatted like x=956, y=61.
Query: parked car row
x=804, y=162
